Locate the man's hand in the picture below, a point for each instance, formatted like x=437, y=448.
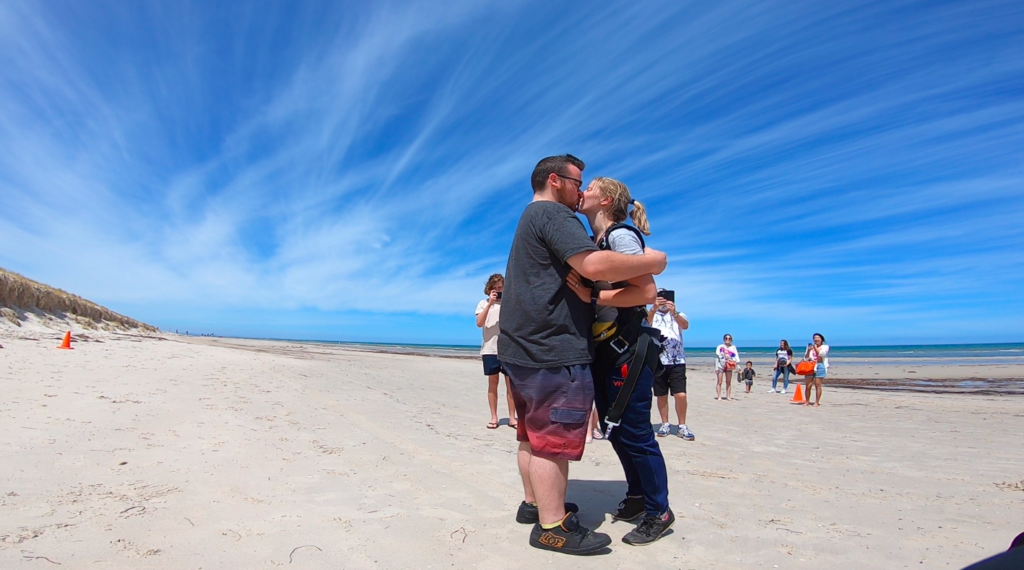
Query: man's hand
x=492, y=298
x=670, y=306
x=574, y=282
x=659, y=257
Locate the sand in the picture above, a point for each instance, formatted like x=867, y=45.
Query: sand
x=133, y=452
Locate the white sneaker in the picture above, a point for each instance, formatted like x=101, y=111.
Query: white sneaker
x=685, y=433
x=782, y=391
x=664, y=430
x=771, y=390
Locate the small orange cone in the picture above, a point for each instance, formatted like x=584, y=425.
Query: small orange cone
x=67, y=341
x=798, y=395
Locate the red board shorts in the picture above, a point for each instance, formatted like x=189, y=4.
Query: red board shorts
x=553, y=405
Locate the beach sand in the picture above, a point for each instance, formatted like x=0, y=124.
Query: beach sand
x=134, y=452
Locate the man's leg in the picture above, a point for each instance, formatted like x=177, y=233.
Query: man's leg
x=681, y=407
x=663, y=408
x=524, y=457
x=549, y=478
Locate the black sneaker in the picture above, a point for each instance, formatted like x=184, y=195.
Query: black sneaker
x=650, y=529
x=630, y=509
x=569, y=537
x=528, y=513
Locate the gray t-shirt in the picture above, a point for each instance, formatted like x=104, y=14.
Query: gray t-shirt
x=543, y=323
x=619, y=241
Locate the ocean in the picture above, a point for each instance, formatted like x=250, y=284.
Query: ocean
x=919, y=354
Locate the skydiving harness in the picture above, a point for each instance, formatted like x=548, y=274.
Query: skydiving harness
x=635, y=345
x=633, y=358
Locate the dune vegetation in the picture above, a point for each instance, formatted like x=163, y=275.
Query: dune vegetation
x=21, y=297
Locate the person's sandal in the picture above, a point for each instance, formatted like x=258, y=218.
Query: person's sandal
x=492, y=425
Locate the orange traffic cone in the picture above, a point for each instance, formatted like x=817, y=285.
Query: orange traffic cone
x=67, y=341
x=798, y=395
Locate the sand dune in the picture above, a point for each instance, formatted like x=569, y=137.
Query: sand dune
x=32, y=306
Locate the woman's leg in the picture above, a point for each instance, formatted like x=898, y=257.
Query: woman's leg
x=492, y=397
x=817, y=391
x=775, y=379
x=808, y=382
x=718, y=384
x=511, y=405
x=785, y=379
x=728, y=384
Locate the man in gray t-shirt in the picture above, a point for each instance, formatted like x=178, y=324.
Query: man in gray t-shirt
x=545, y=346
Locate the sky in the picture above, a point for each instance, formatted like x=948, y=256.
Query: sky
x=355, y=171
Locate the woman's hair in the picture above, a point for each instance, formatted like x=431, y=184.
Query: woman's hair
x=617, y=191
x=492, y=282
x=785, y=344
x=821, y=335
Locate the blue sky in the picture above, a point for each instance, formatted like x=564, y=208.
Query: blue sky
x=355, y=171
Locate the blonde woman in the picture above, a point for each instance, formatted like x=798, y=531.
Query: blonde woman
x=487, y=313
x=606, y=203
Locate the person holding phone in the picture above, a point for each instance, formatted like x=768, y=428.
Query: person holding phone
x=672, y=378
x=727, y=357
x=817, y=352
x=487, y=314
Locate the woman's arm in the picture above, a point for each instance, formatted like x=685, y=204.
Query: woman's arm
x=640, y=291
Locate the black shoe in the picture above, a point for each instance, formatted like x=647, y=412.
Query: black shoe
x=569, y=537
x=650, y=529
x=528, y=513
x=630, y=509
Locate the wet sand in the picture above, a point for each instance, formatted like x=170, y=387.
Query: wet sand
x=217, y=453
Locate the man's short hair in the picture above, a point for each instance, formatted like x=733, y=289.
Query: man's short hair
x=553, y=165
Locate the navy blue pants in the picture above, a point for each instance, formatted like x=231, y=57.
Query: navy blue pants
x=633, y=440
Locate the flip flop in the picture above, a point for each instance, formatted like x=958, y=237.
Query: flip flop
x=492, y=425
x=513, y=426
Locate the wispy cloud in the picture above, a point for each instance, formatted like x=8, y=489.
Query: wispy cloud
x=860, y=163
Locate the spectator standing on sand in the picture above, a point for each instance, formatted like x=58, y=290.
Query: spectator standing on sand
x=783, y=359
x=487, y=314
x=664, y=317
x=726, y=358
x=545, y=347
x=817, y=352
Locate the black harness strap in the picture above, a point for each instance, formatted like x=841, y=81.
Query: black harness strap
x=647, y=350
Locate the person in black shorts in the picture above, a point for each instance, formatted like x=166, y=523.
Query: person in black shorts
x=664, y=316
x=545, y=346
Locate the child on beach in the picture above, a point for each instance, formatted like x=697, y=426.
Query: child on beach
x=748, y=375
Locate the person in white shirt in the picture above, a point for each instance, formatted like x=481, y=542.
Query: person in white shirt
x=487, y=313
x=664, y=317
x=727, y=357
x=817, y=352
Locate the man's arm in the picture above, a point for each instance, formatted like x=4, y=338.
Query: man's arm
x=607, y=265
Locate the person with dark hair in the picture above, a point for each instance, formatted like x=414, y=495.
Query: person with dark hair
x=816, y=352
x=783, y=360
x=487, y=314
x=545, y=346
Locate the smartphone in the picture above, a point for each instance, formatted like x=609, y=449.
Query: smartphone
x=668, y=295
x=499, y=295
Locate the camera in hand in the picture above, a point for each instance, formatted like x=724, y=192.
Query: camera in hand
x=667, y=295
x=499, y=295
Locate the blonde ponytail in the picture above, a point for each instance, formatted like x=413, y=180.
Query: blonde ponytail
x=639, y=218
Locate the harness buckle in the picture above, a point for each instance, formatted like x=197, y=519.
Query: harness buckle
x=625, y=345
x=611, y=426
